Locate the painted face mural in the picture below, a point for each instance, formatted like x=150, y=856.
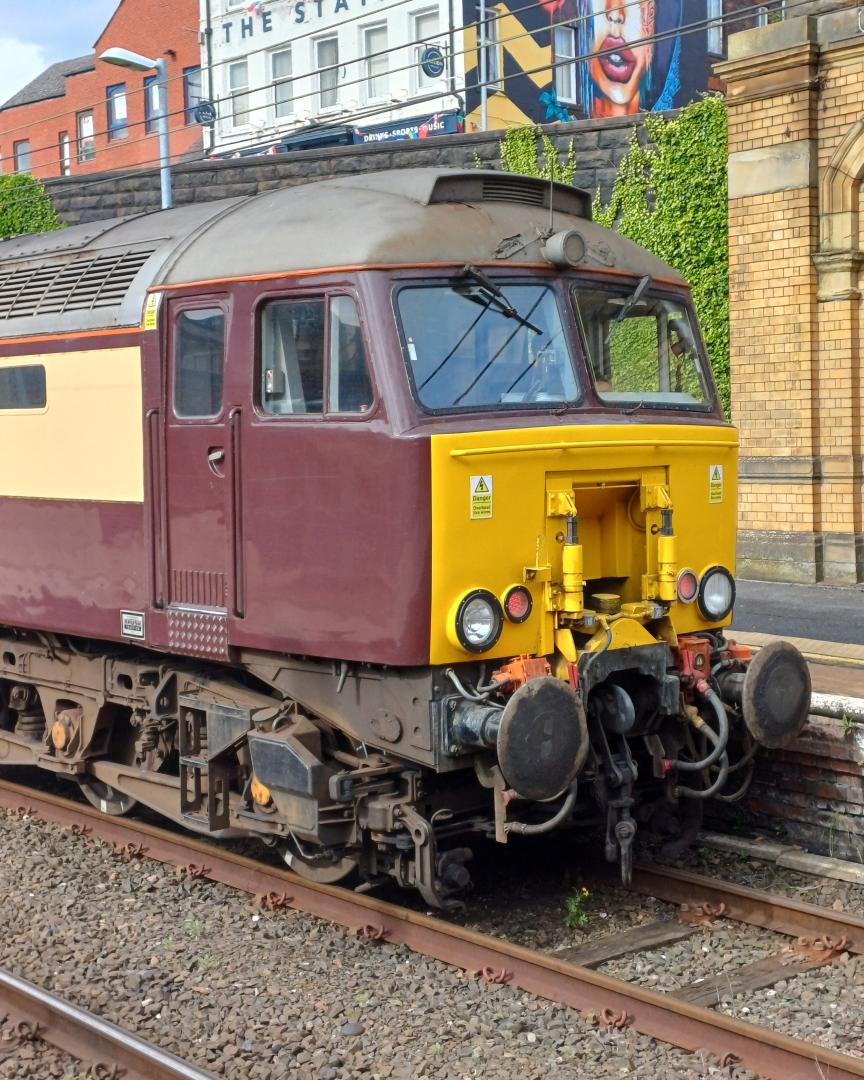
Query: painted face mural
x=632, y=74
x=620, y=26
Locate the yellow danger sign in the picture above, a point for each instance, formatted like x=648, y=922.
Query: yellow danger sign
x=481, y=496
x=715, y=483
x=151, y=311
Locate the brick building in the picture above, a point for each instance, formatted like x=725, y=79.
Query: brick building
x=85, y=116
x=796, y=165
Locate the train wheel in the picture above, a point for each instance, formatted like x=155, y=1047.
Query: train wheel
x=100, y=794
x=106, y=798
x=319, y=868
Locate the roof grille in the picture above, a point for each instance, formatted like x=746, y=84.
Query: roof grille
x=512, y=189
x=84, y=285
x=479, y=187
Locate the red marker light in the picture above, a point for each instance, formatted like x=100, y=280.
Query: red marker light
x=518, y=604
x=688, y=586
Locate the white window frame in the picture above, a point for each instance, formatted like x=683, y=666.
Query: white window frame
x=85, y=144
x=566, y=74
x=714, y=29
x=22, y=155
x=320, y=69
x=282, y=80
x=65, y=144
x=371, y=92
x=239, y=96
x=422, y=80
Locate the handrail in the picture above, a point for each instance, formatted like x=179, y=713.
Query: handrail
x=590, y=444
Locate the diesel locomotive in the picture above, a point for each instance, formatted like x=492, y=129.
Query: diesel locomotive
x=370, y=517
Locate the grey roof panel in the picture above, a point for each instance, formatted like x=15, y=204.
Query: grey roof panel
x=402, y=216
x=52, y=81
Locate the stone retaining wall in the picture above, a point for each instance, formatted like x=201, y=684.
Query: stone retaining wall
x=599, y=145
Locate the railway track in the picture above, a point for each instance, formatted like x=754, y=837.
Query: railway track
x=33, y=1014
x=681, y=1019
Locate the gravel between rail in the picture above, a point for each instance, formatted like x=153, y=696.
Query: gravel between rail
x=197, y=969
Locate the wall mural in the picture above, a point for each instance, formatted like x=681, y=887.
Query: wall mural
x=632, y=75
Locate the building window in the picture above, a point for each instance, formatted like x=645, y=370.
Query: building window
x=86, y=138
x=21, y=152
x=564, y=57
x=151, y=104
x=489, y=41
x=117, y=114
x=283, y=86
x=199, y=350
x=65, y=154
x=714, y=11
x=425, y=30
x=192, y=94
x=376, y=61
x=21, y=155
x=327, y=65
x=23, y=387
x=238, y=83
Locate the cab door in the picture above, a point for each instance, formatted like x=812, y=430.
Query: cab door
x=198, y=477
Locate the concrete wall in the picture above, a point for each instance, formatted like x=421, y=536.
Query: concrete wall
x=599, y=145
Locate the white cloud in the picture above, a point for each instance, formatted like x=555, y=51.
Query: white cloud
x=20, y=62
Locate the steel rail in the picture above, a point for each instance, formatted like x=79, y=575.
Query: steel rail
x=768, y=910
x=89, y=1038
x=657, y=1015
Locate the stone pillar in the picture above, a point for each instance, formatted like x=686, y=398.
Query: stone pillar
x=795, y=90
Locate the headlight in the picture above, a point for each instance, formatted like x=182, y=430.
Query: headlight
x=478, y=620
x=716, y=593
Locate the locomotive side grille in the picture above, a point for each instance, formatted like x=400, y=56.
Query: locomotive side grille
x=85, y=285
x=511, y=189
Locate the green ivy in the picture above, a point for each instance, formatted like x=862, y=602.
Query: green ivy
x=670, y=197
x=25, y=207
x=529, y=151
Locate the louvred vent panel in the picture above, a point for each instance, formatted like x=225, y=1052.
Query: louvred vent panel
x=83, y=285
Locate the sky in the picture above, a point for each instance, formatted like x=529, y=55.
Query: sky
x=37, y=33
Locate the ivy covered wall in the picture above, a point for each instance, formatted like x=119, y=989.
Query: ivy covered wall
x=670, y=196
x=24, y=207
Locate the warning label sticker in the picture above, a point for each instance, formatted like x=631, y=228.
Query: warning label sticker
x=715, y=483
x=481, y=496
x=151, y=311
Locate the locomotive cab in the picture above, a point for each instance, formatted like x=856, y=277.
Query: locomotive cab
x=387, y=530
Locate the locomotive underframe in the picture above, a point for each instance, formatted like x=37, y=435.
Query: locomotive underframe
x=296, y=752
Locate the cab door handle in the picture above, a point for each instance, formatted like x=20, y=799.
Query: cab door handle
x=216, y=459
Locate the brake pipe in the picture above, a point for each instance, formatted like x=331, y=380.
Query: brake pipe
x=519, y=828
x=719, y=738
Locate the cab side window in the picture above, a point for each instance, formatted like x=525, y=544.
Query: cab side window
x=292, y=353
x=199, y=350
x=312, y=358
x=350, y=390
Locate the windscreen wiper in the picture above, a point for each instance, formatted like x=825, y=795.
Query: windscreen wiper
x=496, y=298
x=628, y=305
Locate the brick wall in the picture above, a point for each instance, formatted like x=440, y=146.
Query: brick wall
x=599, y=144
x=796, y=93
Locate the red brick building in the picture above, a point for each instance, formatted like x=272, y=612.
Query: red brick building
x=83, y=115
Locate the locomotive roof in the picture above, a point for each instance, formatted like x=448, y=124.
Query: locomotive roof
x=96, y=275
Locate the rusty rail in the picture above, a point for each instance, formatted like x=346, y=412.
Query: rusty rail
x=107, y=1049
x=781, y=913
x=657, y=1015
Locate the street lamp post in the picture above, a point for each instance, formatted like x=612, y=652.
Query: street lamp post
x=135, y=62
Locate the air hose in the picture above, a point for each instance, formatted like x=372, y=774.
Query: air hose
x=719, y=738
x=521, y=829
